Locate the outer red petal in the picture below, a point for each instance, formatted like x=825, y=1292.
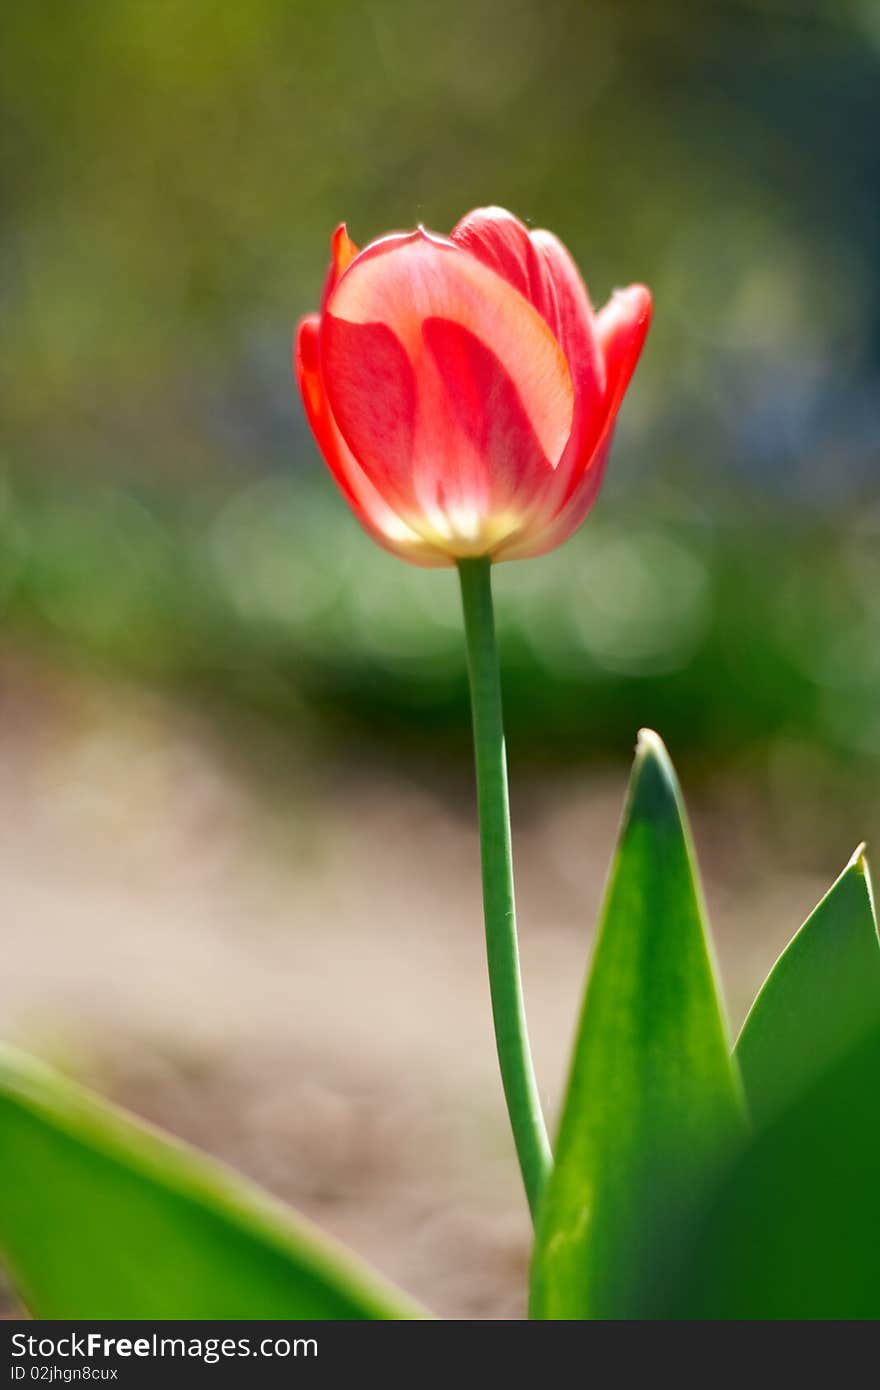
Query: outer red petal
x=538, y=265
x=371, y=385
x=370, y=508
x=402, y=281
x=502, y=242
x=577, y=333
x=489, y=414
x=621, y=328
x=572, y=317
x=342, y=253
x=539, y=539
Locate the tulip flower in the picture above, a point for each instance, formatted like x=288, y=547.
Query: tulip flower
x=462, y=390
x=464, y=394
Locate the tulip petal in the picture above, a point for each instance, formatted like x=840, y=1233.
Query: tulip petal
x=572, y=319
x=538, y=265
x=371, y=385
x=449, y=443
x=500, y=241
x=342, y=253
x=370, y=508
x=537, y=539
x=621, y=328
x=494, y=456
x=404, y=281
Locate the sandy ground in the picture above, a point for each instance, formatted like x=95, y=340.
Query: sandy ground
x=274, y=950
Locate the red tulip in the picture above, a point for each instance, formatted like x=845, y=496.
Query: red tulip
x=462, y=390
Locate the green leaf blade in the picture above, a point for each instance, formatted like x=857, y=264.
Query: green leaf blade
x=653, y=1100
x=821, y=997
x=792, y=1230
x=101, y=1216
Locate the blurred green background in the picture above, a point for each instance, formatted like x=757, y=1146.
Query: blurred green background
x=170, y=173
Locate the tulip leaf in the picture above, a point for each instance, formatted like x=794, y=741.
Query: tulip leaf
x=793, y=1230
x=653, y=1100
x=821, y=996
x=103, y=1217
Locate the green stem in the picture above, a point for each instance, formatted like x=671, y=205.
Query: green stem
x=511, y=1034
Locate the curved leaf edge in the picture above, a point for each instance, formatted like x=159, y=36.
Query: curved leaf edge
x=89, y=1120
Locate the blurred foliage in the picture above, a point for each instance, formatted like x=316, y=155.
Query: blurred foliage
x=170, y=174
x=729, y=636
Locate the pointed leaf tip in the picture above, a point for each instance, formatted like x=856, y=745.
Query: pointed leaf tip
x=653, y=1102
x=860, y=861
x=648, y=740
x=650, y=746
x=654, y=791
x=820, y=998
